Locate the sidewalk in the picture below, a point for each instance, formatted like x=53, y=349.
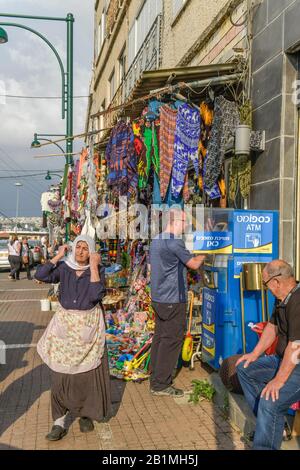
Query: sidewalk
x=141, y=421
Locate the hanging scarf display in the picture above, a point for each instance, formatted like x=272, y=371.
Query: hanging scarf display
x=226, y=119
x=168, y=117
x=121, y=160
x=186, y=144
x=207, y=116
x=152, y=149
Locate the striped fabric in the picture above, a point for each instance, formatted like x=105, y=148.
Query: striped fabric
x=168, y=118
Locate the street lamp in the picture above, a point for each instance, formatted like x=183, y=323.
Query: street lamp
x=18, y=186
x=37, y=137
x=67, y=78
x=49, y=173
x=3, y=36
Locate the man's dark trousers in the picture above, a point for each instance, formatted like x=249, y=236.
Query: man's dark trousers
x=170, y=320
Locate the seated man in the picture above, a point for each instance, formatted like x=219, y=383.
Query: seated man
x=271, y=384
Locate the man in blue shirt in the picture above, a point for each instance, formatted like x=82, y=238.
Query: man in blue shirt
x=168, y=259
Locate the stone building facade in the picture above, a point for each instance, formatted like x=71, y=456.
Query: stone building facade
x=136, y=35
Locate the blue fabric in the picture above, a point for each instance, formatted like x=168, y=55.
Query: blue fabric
x=168, y=257
x=170, y=200
x=154, y=105
x=75, y=293
x=186, y=144
x=270, y=415
x=156, y=190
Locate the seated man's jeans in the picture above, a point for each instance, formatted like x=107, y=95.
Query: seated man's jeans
x=270, y=415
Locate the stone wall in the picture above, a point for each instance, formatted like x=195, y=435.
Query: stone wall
x=276, y=33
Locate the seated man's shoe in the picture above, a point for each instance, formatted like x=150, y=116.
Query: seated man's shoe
x=168, y=392
x=86, y=425
x=56, y=433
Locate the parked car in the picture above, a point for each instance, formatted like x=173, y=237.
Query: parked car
x=4, y=254
x=37, y=251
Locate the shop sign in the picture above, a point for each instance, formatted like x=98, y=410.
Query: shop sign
x=253, y=232
x=213, y=242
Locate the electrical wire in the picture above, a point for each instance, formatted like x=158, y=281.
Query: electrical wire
x=29, y=189
x=25, y=176
x=40, y=97
x=6, y=216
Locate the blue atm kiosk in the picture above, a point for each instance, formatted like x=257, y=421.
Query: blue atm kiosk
x=233, y=240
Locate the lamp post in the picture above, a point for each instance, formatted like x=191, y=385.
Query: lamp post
x=67, y=77
x=18, y=186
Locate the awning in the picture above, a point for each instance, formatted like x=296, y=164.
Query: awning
x=216, y=74
x=155, y=79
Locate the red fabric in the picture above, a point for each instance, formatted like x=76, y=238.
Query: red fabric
x=259, y=328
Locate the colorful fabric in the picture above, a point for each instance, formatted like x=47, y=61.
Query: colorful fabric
x=168, y=118
x=226, y=119
x=186, y=143
x=140, y=150
x=152, y=149
x=121, y=160
x=207, y=116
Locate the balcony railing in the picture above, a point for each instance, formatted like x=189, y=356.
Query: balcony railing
x=147, y=58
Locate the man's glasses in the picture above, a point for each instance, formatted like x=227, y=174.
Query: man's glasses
x=265, y=283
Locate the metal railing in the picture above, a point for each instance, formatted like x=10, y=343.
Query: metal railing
x=147, y=58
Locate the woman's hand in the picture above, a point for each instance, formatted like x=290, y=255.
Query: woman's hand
x=95, y=260
x=61, y=253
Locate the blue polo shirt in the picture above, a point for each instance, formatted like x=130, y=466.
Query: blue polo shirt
x=168, y=258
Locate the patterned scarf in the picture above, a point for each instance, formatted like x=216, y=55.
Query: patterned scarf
x=226, y=119
x=186, y=143
x=168, y=118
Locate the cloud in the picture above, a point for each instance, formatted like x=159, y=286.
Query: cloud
x=29, y=67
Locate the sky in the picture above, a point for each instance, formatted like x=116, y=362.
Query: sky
x=28, y=67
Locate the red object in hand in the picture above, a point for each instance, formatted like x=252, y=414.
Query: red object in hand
x=259, y=328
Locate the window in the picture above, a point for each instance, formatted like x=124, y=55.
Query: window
x=112, y=85
x=177, y=5
x=141, y=27
x=101, y=32
x=101, y=124
x=122, y=65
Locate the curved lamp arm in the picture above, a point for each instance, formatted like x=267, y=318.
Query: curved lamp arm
x=54, y=143
x=56, y=55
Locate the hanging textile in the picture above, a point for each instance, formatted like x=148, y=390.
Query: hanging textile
x=152, y=149
x=226, y=119
x=207, y=116
x=168, y=117
x=140, y=150
x=82, y=160
x=186, y=143
x=121, y=160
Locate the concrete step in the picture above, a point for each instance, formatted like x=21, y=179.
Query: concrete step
x=239, y=413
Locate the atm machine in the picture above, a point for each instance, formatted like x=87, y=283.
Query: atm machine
x=238, y=244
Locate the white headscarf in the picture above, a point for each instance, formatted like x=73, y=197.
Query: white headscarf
x=70, y=260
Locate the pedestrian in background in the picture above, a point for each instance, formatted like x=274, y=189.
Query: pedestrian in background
x=27, y=257
x=14, y=258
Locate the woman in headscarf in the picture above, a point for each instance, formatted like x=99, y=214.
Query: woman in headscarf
x=73, y=345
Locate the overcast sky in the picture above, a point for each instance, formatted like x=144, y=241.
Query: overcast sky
x=29, y=67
